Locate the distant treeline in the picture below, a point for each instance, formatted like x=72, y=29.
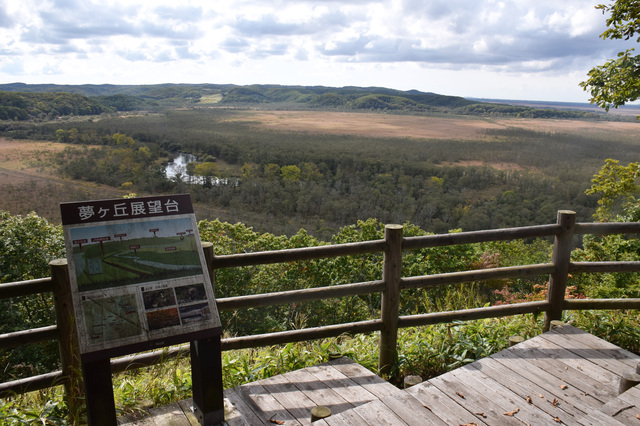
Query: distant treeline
x=33, y=102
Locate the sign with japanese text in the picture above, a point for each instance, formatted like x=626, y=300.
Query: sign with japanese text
x=138, y=275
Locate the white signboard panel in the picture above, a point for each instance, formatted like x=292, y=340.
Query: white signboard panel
x=138, y=275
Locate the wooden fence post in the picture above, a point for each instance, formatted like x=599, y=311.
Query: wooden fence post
x=207, y=249
x=67, y=337
x=561, y=259
x=391, y=275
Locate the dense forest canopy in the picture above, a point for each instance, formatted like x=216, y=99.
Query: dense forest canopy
x=281, y=181
x=284, y=180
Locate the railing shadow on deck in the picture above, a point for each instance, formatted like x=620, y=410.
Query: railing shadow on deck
x=391, y=284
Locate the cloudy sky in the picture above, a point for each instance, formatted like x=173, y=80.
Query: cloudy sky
x=511, y=49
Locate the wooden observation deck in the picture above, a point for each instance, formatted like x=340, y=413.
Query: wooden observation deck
x=565, y=376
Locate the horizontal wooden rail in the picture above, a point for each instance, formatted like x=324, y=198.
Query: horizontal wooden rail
x=297, y=296
x=30, y=384
x=376, y=246
x=600, y=267
x=472, y=314
x=290, y=336
x=537, y=231
x=297, y=254
x=148, y=359
x=424, y=281
x=28, y=337
x=25, y=288
x=607, y=228
x=587, y=304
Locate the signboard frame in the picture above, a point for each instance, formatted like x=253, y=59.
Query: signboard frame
x=133, y=292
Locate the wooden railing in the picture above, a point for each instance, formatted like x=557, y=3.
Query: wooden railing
x=391, y=284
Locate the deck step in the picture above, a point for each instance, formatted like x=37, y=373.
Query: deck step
x=623, y=410
x=355, y=396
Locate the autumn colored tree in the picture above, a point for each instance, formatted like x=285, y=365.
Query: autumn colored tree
x=249, y=171
x=271, y=171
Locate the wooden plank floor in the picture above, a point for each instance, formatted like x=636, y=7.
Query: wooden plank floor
x=565, y=376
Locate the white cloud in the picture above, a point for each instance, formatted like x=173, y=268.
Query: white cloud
x=339, y=42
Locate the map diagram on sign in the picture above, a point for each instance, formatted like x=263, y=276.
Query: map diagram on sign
x=112, y=318
x=138, y=280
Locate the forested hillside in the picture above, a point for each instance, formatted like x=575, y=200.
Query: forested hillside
x=41, y=106
x=152, y=97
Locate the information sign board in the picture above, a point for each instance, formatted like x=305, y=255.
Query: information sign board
x=138, y=275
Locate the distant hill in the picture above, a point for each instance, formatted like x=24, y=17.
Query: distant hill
x=152, y=91
x=629, y=109
x=19, y=106
x=18, y=101
x=343, y=97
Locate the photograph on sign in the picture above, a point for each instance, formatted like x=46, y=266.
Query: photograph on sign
x=137, y=279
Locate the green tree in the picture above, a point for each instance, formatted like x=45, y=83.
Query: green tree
x=310, y=171
x=191, y=168
x=207, y=171
x=122, y=139
x=249, y=171
x=290, y=173
x=27, y=245
x=62, y=135
x=271, y=171
x=70, y=135
x=618, y=80
x=618, y=189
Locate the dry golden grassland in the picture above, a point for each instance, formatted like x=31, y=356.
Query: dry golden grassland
x=408, y=126
x=401, y=126
x=28, y=182
x=19, y=158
